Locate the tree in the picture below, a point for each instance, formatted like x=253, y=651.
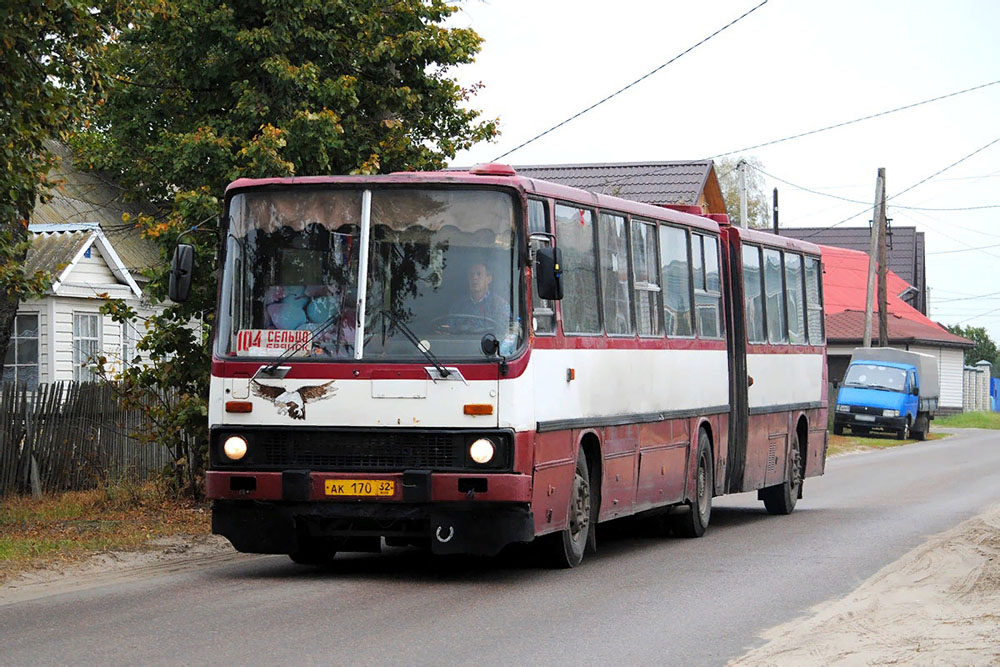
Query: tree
x=758, y=203
x=209, y=92
x=48, y=74
x=984, y=350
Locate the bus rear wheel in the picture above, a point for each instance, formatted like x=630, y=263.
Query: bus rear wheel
x=565, y=548
x=694, y=521
x=310, y=552
x=781, y=498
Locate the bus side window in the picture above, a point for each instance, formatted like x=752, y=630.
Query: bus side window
x=676, y=270
x=814, y=305
x=614, y=274
x=646, y=275
x=796, y=299
x=753, y=295
x=707, y=296
x=775, y=297
x=581, y=312
x=543, y=311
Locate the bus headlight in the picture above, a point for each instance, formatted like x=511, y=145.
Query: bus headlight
x=890, y=413
x=481, y=451
x=235, y=447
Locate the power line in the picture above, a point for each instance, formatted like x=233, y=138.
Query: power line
x=920, y=182
x=856, y=120
x=642, y=78
x=949, y=252
x=856, y=201
x=968, y=298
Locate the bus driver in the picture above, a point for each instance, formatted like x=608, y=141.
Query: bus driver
x=480, y=308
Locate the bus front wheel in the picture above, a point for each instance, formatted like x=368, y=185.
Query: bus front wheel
x=565, y=548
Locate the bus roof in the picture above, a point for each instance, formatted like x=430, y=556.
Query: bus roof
x=493, y=175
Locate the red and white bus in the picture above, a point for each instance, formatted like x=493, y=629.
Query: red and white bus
x=385, y=366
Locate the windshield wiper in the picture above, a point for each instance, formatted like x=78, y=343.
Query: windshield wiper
x=444, y=372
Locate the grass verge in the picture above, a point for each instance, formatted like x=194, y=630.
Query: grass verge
x=845, y=444
x=68, y=527
x=971, y=420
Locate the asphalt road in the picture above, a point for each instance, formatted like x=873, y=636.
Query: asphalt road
x=640, y=599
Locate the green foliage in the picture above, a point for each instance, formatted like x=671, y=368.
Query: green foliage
x=49, y=71
x=984, y=350
x=205, y=93
x=758, y=201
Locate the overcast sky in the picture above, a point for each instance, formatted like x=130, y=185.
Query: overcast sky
x=789, y=67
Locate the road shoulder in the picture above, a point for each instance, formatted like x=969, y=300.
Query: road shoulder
x=939, y=604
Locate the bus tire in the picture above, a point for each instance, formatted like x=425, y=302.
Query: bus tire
x=780, y=498
x=694, y=521
x=565, y=548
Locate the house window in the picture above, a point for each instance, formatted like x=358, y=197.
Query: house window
x=21, y=362
x=86, y=345
x=129, y=338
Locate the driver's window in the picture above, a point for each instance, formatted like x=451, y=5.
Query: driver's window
x=543, y=311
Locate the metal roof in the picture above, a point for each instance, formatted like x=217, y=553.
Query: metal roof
x=680, y=183
x=54, y=251
x=88, y=198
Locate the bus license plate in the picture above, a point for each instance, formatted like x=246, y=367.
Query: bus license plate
x=360, y=487
x=864, y=418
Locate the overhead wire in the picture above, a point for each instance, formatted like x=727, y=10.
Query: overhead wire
x=640, y=79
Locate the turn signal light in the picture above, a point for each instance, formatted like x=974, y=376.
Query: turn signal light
x=477, y=409
x=239, y=406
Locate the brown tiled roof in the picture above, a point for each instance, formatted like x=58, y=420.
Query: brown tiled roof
x=662, y=183
x=84, y=197
x=848, y=326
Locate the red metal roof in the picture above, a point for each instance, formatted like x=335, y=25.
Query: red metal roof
x=845, y=287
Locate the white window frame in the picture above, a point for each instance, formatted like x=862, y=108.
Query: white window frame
x=82, y=370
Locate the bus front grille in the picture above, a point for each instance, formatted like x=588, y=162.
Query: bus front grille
x=355, y=450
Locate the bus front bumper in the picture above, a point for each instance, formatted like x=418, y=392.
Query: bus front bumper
x=281, y=512
x=269, y=527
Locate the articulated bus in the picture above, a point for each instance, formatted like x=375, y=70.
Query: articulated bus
x=465, y=360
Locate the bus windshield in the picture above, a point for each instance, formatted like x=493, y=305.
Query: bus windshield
x=442, y=274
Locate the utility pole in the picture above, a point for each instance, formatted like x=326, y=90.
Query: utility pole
x=883, y=270
x=775, y=212
x=742, y=166
x=873, y=255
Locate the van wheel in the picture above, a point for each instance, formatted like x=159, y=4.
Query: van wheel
x=780, y=498
x=904, y=432
x=921, y=428
x=564, y=549
x=694, y=522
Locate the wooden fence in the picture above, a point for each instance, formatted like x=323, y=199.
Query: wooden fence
x=71, y=436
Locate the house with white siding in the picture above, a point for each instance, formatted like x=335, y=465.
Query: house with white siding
x=80, y=237
x=57, y=336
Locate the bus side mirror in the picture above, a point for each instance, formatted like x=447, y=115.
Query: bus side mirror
x=181, y=271
x=548, y=273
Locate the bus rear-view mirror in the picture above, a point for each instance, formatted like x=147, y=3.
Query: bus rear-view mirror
x=181, y=272
x=548, y=273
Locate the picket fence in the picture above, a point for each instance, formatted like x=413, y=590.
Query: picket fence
x=71, y=436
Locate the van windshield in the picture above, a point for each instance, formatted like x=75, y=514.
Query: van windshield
x=874, y=376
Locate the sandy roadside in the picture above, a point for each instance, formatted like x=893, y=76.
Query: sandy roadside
x=937, y=605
